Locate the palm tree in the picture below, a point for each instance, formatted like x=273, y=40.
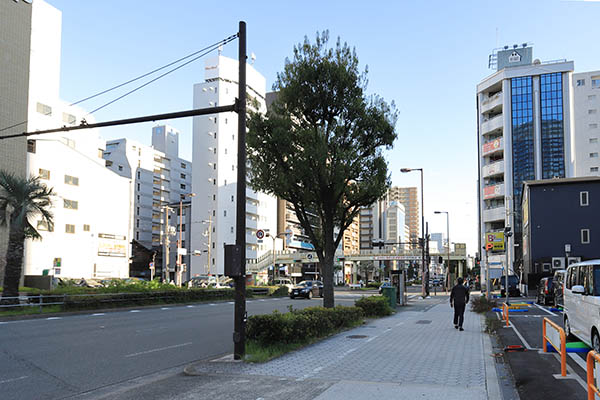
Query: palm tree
x=20, y=200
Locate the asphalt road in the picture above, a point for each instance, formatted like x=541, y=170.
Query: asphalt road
x=62, y=357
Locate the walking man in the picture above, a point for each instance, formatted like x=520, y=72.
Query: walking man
x=459, y=297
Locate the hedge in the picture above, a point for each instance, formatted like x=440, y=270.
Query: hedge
x=374, y=306
x=300, y=325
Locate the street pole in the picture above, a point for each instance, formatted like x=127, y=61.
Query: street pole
x=507, y=235
x=447, y=284
x=239, y=334
x=424, y=283
x=178, y=273
x=166, y=251
x=209, y=242
x=487, y=274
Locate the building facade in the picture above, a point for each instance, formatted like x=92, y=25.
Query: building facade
x=407, y=196
x=586, y=141
x=215, y=170
x=560, y=224
x=525, y=125
x=159, y=179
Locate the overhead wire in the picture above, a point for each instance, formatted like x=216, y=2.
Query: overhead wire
x=206, y=50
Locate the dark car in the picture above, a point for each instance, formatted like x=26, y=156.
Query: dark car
x=307, y=289
x=557, y=284
x=513, y=286
x=545, y=292
x=384, y=285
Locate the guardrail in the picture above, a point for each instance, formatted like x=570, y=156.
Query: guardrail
x=31, y=301
x=592, y=389
x=557, y=339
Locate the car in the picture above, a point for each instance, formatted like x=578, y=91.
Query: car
x=284, y=282
x=307, y=289
x=513, y=286
x=545, y=291
x=557, y=284
x=384, y=285
x=581, y=294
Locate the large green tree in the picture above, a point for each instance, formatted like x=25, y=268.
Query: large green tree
x=21, y=199
x=320, y=144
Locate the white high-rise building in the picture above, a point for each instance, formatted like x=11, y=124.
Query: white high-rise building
x=159, y=179
x=215, y=170
x=90, y=233
x=586, y=141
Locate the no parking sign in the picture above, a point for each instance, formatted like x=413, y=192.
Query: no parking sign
x=260, y=234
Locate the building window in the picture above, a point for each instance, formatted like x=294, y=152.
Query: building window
x=225, y=182
x=120, y=168
x=214, y=197
x=224, y=213
x=70, y=204
x=183, y=165
x=231, y=229
x=71, y=180
x=592, y=97
x=182, y=186
x=69, y=228
x=593, y=155
x=593, y=169
x=70, y=143
x=213, y=261
x=31, y=146
x=100, y=153
x=233, y=167
x=593, y=140
x=214, y=213
x=69, y=118
x=44, y=109
x=139, y=175
x=225, y=150
x=108, y=163
x=182, y=176
x=232, y=199
x=86, y=228
x=593, y=126
x=213, y=245
x=592, y=111
x=182, y=227
x=595, y=82
x=138, y=211
x=137, y=236
x=44, y=174
x=138, y=187
x=584, y=199
x=137, y=223
x=183, y=243
x=585, y=236
x=551, y=107
x=580, y=82
x=225, y=120
x=44, y=226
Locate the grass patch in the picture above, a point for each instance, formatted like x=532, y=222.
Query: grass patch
x=492, y=324
x=481, y=304
x=30, y=310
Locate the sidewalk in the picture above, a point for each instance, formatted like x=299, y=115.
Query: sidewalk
x=410, y=355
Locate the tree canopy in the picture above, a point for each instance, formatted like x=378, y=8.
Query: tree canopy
x=320, y=144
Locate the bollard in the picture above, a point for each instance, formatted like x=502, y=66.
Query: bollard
x=592, y=358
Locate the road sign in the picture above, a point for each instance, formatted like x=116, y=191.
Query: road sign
x=489, y=246
x=260, y=234
x=151, y=265
x=309, y=256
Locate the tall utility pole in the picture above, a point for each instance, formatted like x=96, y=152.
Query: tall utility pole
x=180, y=241
x=208, y=246
x=239, y=323
x=166, y=242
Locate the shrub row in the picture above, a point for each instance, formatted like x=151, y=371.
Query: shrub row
x=374, y=285
x=481, y=304
x=301, y=325
x=374, y=306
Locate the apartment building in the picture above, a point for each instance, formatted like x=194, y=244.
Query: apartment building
x=407, y=196
x=160, y=179
x=586, y=114
x=524, y=132
x=215, y=169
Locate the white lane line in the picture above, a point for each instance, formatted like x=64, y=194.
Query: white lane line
x=13, y=379
x=51, y=318
x=521, y=337
x=97, y=314
x=134, y=311
x=369, y=339
x=165, y=308
x=212, y=304
x=190, y=306
x=230, y=302
x=542, y=308
x=578, y=360
x=159, y=349
x=262, y=300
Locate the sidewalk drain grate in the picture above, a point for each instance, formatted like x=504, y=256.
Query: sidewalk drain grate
x=424, y=321
x=356, y=336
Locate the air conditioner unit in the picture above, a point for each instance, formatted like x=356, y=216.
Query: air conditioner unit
x=558, y=263
x=573, y=260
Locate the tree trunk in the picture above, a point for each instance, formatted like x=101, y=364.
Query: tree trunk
x=328, y=300
x=14, y=262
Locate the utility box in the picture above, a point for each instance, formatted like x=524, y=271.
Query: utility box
x=390, y=294
x=233, y=258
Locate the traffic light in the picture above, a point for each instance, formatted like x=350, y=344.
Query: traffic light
x=440, y=259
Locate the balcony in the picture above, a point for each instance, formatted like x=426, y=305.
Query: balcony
x=493, y=103
x=494, y=191
x=492, y=125
x=251, y=208
x=494, y=214
x=495, y=168
x=495, y=146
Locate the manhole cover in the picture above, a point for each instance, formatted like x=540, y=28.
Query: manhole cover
x=424, y=321
x=357, y=336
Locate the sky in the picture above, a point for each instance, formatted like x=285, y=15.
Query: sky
x=426, y=56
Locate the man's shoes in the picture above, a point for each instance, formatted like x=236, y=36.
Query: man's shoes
x=461, y=329
x=455, y=326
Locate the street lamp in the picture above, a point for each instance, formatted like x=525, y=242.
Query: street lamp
x=447, y=238
x=180, y=241
x=425, y=280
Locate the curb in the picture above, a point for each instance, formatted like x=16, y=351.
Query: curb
x=491, y=376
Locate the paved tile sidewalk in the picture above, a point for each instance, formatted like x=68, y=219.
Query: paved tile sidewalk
x=409, y=355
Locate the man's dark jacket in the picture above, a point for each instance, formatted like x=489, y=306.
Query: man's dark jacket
x=459, y=295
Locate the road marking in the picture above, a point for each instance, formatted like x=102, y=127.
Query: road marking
x=212, y=304
x=542, y=308
x=572, y=374
x=317, y=369
x=262, y=300
x=230, y=302
x=165, y=308
x=51, y=318
x=578, y=360
x=13, y=379
x=521, y=337
x=399, y=323
x=369, y=339
x=134, y=311
x=190, y=306
x=97, y=314
x=159, y=349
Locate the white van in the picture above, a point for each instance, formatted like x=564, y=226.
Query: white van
x=582, y=302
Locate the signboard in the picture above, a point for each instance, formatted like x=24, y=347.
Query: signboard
x=260, y=234
x=489, y=192
x=496, y=239
x=182, y=251
x=404, y=258
x=491, y=146
x=112, y=245
x=553, y=336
